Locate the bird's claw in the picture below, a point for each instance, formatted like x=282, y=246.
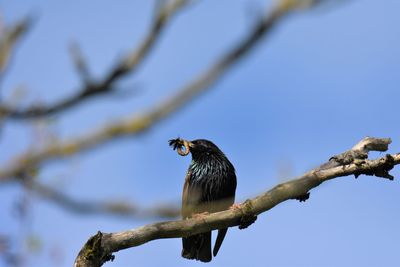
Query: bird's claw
x=200, y=216
x=235, y=206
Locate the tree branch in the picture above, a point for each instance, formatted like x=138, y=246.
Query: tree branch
x=9, y=39
x=90, y=88
x=137, y=124
x=113, y=208
x=80, y=63
x=100, y=247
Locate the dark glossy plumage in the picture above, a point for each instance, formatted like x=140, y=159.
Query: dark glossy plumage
x=210, y=186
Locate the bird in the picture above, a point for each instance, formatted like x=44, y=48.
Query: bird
x=210, y=186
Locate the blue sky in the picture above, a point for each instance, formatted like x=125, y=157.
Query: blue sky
x=322, y=81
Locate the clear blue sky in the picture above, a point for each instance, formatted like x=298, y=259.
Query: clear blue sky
x=322, y=81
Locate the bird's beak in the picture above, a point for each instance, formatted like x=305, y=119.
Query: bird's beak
x=191, y=145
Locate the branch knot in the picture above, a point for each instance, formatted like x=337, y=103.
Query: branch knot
x=248, y=217
x=382, y=170
x=93, y=252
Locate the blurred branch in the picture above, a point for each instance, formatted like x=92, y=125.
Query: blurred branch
x=138, y=123
x=9, y=39
x=80, y=63
x=99, y=248
x=114, y=208
x=90, y=88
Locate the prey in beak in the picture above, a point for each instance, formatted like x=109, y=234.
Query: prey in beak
x=178, y=143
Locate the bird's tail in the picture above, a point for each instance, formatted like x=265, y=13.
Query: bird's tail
x=218, y=242
x=197, y=247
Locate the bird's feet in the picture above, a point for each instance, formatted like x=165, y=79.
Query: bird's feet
x=200, y=216
x=235, y=206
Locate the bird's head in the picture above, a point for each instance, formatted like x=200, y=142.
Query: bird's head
x=199, y=148
x=203, y=147
x=206, y=156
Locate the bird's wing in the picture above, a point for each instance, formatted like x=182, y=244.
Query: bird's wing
x=185, y=212
x=193, y=199
x=197, y=246
x=190, y=197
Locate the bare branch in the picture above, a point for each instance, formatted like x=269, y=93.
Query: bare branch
x=8, y=40
x=113, y=208
x=138, y=123
x=359, y=151
x=100, y=247
x=127, y=65
x=80, y=63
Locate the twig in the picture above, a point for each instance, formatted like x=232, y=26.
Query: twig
x=127, y=65
x=100, y=247
x=139, y=123
x=8, y=40
x=113, y=208
x=80, y=64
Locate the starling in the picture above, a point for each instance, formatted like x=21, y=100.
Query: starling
x=210, y=186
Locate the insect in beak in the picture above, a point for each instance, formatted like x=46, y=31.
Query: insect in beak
x=178, y=144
